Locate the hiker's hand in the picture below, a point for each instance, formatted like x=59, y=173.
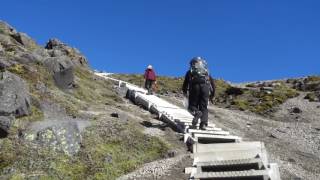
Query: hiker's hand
x=211, y=99
x=155, y=82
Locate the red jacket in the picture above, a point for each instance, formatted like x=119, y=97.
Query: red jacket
x=149, y=74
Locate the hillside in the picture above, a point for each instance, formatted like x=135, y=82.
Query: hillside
x=56, y=117
x=58, y=120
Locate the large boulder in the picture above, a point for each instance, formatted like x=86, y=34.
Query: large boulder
x=62, y=70
x=14, y=95
x=61, y=136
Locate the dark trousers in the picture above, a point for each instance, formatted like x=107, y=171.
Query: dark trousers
x=148, y=85
x=198, y=100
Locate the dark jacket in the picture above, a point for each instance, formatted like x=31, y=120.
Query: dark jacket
x=188, y=82
x=149, y=74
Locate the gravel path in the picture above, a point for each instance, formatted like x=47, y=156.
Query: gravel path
x=295, y=146
x=154, y=170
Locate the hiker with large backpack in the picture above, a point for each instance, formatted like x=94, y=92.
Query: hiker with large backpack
x=199, y=86
x=150, y=79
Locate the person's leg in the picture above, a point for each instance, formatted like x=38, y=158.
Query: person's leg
x=194, y=103
x=203, y=105
x=151, y=87
x=148, y=85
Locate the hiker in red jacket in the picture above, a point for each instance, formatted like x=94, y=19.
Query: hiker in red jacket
x=150, y=79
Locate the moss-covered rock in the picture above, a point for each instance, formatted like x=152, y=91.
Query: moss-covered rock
x=313, y=96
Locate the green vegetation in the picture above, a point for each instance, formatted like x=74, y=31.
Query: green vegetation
x=18, y=69
x=110, y=149
x=261, y=101
x=312, y=78
x=92, y=89
x=312, y=97
x=221, y=87
x=136, y=79
x=35, y=115
x=114, y=156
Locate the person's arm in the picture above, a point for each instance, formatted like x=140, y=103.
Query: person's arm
x=185, y=85
x=155, y=77
x=212, y=89
x=145, y=74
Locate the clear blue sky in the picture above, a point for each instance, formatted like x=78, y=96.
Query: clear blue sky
x=242, y=40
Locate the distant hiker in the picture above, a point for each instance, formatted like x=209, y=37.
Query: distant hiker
x=150, y=79
x=200, y=86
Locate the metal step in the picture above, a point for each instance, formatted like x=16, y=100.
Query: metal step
x=233, y=175
x=198, y=131
x=209, y=138
x=230, y=165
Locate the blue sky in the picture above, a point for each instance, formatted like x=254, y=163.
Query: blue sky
x=242, y=40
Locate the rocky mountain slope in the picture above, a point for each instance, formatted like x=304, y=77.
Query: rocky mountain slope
x=60, y=121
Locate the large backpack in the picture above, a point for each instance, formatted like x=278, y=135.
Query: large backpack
x=199, y=69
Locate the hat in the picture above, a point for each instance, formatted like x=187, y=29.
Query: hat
x=149, y=67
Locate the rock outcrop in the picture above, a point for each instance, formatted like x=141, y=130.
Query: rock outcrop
x=62, y=70
x=14, y=95
x=14, y=98
x=58, y=49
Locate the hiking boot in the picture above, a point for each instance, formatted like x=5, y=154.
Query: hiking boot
x=203, y=126
x=197, y=116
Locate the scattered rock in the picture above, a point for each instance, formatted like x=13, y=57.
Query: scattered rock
x=296, y=110
x=291, y=160
x=249, y=123
x=171, y=153
x=273, y=136
x=108, y=159
x=5, y=124
x=281, y=130
x=41, y=87
x=116, y=115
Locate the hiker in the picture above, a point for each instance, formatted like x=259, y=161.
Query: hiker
x=150, y=79
x=199, y=85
